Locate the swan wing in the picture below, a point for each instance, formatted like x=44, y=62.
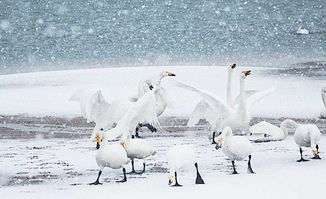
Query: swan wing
x=97, y=107
x=248, y=93
x=257, y=96
x=203, y=111
x=214, y=102
x=144, y=110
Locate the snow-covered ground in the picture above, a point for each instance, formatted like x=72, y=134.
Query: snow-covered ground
x=62, y=168
x=48, y=93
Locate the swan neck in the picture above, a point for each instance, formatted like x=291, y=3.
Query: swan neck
x=229, y=88
x=284, y=126
x=242, y=103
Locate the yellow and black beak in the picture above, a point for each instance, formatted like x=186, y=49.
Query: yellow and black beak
x=170, y=180
x=122, y=144
x=314, y=152
x=233, y=66
x=98, y=140
x=151, y=87
x=246, y=72
x=170, y=74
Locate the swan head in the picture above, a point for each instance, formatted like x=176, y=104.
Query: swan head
x=99, y=138
x=227, y=131
x=245, y=73
x=232, y=66
x=314, y=152
x=171, y=179
x=149, y=84
x=167, y=73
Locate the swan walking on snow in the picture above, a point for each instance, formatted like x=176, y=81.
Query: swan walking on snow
x=235, y=147
x=137, y=148
x=305, y=135
x=179, y=158
x=113, y=156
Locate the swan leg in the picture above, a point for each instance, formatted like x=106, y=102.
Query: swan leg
x=199, y=179
x=133, y=171
x=213, y=142
x=124, y=176
x=317, y=157
x=97, y=182
x=176, y=181
x=136, y=131
x=150, y=127
x=301, y=159
x=249, y=170
x=233, y=165
x=144, y=166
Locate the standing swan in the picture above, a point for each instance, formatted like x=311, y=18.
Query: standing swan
x=305, y=135
x=224, y=115
x=113, y=156
x=160, y=96
x=235, y=147
x=179, y=158
x=137, y=148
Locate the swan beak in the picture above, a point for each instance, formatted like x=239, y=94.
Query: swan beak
x=170, y=180
x=314, y=152
x=219, y=141
x=246, y=72
x=233, y=65
x=170, y=74
x=151, y=87
x=122, y=144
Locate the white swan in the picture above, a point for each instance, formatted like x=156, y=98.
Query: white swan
x=181, y=157
x=235, y=147
x=160, y=95
x=113, y=156
x=224, y=116
x=143, y=110
x=137, y=148
x=265, y=132
x=323, y=97
x=203, y=109
x=305, y=135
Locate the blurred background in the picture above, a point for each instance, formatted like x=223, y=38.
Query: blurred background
x=40, y=35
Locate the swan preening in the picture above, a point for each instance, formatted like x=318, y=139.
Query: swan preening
x=305, y=135
x=181, y=157
x=323, y=97
x=110, y=155
x=235, y=147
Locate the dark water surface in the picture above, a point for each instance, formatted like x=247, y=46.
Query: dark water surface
x=59, y=34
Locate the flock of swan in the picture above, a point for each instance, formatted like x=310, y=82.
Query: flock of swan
x=229, y=121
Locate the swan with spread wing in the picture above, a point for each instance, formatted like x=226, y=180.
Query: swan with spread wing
x=219, y=114
x=160, y=95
